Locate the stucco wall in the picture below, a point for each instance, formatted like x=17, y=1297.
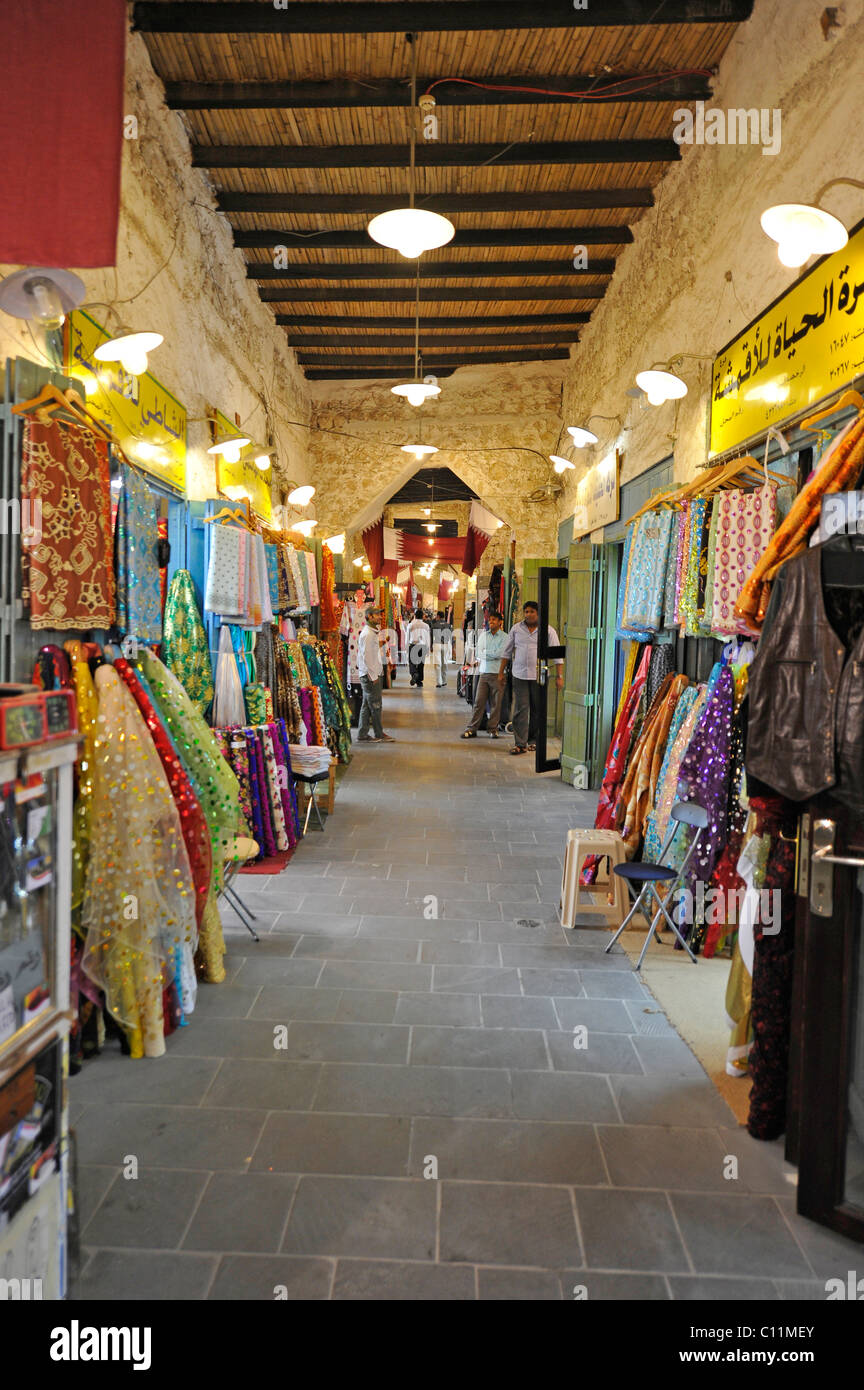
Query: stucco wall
x=222, y=346
x=480, y=420
x=700, y=267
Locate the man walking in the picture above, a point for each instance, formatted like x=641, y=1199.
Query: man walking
x=490, y=649
x=371, y=670
x=521, y=645
x=441, y=640
x=419, y=643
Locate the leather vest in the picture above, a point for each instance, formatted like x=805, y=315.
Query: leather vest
x=805, y=730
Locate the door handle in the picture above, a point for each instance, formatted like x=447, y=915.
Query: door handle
x=541, y=672
x=822, y=861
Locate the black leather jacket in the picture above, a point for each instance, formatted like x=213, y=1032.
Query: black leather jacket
x=805, y=731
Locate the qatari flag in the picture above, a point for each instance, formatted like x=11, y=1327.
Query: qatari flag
x=383, y=549
x=61, y=132
x=482, y=526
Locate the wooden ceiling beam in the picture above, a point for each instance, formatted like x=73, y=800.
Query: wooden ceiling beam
x=403, y=324
x=434, y=155
x=433, y=270
x=345, y=294
x=424, y=16
x=311, y=240
x=346, y=92
x=430, y=360
x=429, y=340
x=326, y=204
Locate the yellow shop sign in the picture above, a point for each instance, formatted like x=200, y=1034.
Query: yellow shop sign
x=148, y=422
x=805, y=347
x=244, y=477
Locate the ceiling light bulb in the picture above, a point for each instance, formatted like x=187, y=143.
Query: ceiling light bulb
x=420, y=451
x=301, y=496
x=430, y=525
x=264, y=460
x=660, y=386
x=411, y=231
x=581, y=437
x=561, y=465
x=130, y=350
x=230, y=447
x=304, y=527
x=358, y=561
x=42, y=294
x=336, y=544
x=416, y=392
x=802, y=231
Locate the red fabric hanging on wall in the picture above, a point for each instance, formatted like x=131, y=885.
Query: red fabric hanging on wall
x=61, y=135
x=448, y=548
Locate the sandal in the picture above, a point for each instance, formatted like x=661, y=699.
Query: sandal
x=468, y=734
x=517, y=750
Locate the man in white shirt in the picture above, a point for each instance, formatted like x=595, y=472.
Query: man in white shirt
x=490, y=646
x=419, y=643
x=522, y=647
x=371, y=671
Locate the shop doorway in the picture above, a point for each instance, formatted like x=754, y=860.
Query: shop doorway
x=552, y=598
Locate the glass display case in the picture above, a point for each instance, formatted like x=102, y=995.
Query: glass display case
x=35, y=893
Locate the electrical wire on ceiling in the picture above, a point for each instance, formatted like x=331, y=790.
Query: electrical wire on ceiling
x=612, y=91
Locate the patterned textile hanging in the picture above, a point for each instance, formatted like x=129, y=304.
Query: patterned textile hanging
x=139, y=601
x=184, y=642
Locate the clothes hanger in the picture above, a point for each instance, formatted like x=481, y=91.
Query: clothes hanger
x=50, y=398
x=849, y=397
x=225, y=515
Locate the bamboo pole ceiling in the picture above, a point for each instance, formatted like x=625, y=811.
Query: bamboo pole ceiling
x=301, y=118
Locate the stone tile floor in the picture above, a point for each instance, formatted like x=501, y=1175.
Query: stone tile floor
x=408, y=1015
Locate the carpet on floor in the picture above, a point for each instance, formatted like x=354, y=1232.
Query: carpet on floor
x=271, y=864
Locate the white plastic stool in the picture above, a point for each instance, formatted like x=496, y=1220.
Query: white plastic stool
x=582, y=845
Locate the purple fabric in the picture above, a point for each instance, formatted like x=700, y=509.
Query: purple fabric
x=308, y=720
x=286, y=785
x=704, y=776
x=258, y=775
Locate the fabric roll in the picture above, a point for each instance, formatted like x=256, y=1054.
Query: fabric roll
x=139, y=899
x=185, y=649
x=66, y=545
x=271, y=556
x=311, y=577
x=271, y=769
x=259, y=778
x=228, y=706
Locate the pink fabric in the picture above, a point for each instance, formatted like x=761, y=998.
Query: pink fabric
x=745, y=525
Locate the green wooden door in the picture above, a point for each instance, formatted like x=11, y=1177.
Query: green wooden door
x=584, y=602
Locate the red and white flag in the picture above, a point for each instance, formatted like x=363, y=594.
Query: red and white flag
x=383, y=549
x=482, y=526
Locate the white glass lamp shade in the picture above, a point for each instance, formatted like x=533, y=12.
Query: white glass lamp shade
x=130, y=350
x=358, y=562
x=660, y=387
x=416, y=392
x=561, y=464
x=802, y=231
x=581, y=437
x=420, y=451
x=230, y=447
x=304, y=527
x=301, y=496
x=336, y=544
x=41, y=293
x=411, y=231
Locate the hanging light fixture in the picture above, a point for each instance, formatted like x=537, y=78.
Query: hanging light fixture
x=41, y=294
x=561, y=464
x=420, y=451
x=661, y=386
x=430, y=525
x=230, y=446
x=581, y=437
x=129, y=349
x=358, y=562
x=802, y=230
x=411, y=231
x=336, y=544
x=301, y=496
x=416, y=392
x=264, y=458
x=305, y=528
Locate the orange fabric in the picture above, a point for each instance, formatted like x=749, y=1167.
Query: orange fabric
x=331, y=613
x=640, y=784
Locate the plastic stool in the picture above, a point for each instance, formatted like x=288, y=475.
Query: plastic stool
x=582, y=845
